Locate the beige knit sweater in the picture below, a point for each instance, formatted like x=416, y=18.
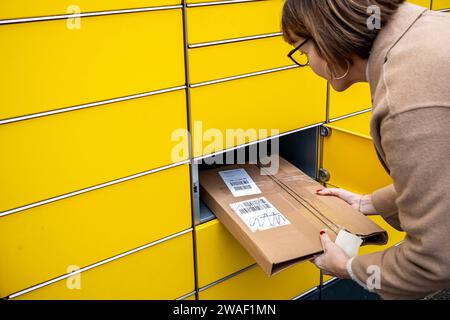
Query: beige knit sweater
x=409, y=76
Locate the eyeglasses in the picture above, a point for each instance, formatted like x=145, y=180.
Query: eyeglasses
x=299, y=58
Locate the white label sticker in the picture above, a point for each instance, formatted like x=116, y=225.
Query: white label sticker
x=259, y=214
x=239, y=182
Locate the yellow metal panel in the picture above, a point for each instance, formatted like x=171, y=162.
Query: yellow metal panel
x=423, y=3
x=165, y=271
x=254, y=284
x=219, y=254
x=284, y=101
x=357, y=125
x=202, y=1
x=235, y=20
x=221, y=61
x=354, y=99
x=53, y=155
x=93, y=226
x=349, y=156
x=47, y=66
x=441, y=4
x=28, y=8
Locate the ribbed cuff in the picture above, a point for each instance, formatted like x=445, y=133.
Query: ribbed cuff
x=353, y=276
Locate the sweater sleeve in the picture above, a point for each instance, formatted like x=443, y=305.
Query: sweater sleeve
x=383, y=201
x=417, y=148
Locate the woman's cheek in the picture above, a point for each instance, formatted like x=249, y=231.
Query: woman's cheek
x=319, y=68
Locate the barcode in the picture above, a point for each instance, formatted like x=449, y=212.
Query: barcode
x=244, y=187
x=239, y=182
x=239, y=185
x=254, y=205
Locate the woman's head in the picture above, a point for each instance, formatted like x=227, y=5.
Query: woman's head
x=340, y=38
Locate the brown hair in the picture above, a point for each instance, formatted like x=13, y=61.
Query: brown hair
x=338, y=28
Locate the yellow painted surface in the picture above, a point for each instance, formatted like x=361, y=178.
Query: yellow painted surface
x=235, y=20
x=53, y=155
x=423, y=3
x=28, y=8
x=226, y=60
x=326, y=278
x=350, y=157
x=219, y=254
x=47, y=66
x=284, y=101
x=441, y=4
x=164, y=271
x=357, y=125
x=254, y=284
x=90, y=227
x=200, y=1
x=354, y=99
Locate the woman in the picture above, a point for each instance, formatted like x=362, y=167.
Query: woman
x=403, y=51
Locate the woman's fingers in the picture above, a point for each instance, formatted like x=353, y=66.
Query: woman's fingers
x=349, y=197
x=341, y=193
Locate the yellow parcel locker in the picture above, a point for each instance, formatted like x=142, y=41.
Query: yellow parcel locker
x=441, y=4
x=354, y=99
x=46, y=65
x=28, y=8
x=423, y=3
x=90, y=227
x=163, y=271
x=234, y=20
x=226, y=60
x=53, y=155
x=254, y=284
x=218, y=253
x=350, y=157
x=252, y=106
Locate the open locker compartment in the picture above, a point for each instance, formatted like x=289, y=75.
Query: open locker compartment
x=299, y=148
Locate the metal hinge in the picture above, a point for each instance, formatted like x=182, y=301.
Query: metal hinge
x=325, y=131
x=324, y=175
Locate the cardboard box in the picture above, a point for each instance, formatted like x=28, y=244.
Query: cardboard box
x=277, y=219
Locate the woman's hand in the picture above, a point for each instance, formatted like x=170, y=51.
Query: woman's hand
x=363, y=203
x=333, y=261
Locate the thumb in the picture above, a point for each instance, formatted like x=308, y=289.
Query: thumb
x=325, y=240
